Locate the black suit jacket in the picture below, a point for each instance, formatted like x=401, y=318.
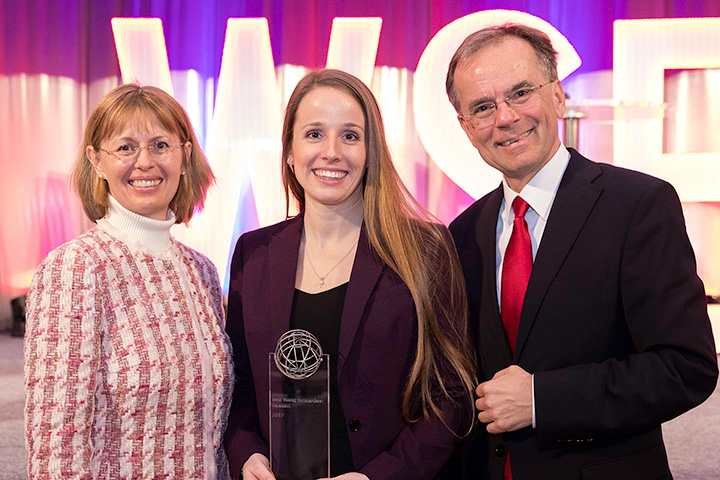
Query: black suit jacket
x=378, y=338
x=614, y=327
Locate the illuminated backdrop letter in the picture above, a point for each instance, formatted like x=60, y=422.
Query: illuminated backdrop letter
x=353, y=46
x=244, y=141
x=141, y=51
x=642, y=50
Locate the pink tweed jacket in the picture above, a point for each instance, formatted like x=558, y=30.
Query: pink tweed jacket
x=128, y=370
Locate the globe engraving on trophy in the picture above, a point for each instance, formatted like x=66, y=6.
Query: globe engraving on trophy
x=299, y=416
x=298, y=354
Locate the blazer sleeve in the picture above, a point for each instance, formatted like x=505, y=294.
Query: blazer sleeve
x=62, y=355
x=421, y=449
x=662, y=303
x=242, y=437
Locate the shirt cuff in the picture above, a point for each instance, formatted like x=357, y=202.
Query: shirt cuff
x=533, y=402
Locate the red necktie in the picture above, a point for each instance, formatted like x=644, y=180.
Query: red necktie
x=517, y=266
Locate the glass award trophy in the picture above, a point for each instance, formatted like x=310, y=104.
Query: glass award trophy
x=299, y=408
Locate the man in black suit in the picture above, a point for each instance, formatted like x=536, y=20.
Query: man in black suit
x=607, y=334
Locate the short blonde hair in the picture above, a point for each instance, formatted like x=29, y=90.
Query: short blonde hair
x=114, y=111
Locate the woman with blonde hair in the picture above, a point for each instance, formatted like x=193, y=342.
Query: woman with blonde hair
x=128, y=370
x=367, y=271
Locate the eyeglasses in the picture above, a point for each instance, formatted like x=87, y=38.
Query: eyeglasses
x=156, y=149
x=483, y=114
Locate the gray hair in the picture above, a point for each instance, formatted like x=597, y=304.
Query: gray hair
x=539, y=41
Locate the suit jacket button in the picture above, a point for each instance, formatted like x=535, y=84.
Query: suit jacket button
x=354, y=425
x=500, y=450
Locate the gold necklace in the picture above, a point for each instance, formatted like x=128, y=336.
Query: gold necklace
x=323, y=277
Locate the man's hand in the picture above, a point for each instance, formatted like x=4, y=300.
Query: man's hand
x=257, y=467
x=505, y=402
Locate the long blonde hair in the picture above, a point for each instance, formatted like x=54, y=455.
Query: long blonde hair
x=411, y=242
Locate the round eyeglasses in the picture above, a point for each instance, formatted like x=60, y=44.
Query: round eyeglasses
x=482, y=115
x=156, y=149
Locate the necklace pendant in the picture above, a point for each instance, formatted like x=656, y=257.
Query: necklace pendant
x=322, y=279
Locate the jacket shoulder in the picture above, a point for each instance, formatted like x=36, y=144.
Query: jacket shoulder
x=262, y=235
x=468, y=218
x=90, y=246
x=611, y=175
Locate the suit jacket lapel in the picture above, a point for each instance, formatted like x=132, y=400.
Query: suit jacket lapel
x=365, y=274
x=283, y=259
x=573, y=203
x=490, y=320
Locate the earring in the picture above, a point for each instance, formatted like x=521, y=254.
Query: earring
x=100, y=175
x=183, y=172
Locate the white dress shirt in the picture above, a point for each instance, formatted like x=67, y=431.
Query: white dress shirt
x=539, y=193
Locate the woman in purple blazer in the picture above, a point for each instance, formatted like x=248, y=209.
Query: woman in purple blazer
x=365, y=269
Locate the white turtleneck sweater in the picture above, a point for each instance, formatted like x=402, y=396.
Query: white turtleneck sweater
x=128, y=370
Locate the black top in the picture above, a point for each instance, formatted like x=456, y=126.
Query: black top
x=320, y=314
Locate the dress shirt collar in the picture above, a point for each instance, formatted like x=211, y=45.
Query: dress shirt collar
x=541, y=189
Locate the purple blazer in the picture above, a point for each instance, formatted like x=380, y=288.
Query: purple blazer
x=377, y=346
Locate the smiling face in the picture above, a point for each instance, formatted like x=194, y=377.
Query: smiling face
x=144, y=184
x=520, y=141
x=328, y=148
